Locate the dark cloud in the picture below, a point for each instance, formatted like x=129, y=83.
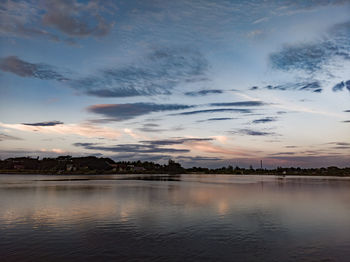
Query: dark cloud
x=282, y=153
x=243, y=103
x=48, y=123
x=346, y=121
x=15, y=17
x=251, y=132
x=157, y=73
x=313, y=86
x=311, y=57
x=8, y=137
x=340, y=143
x=264, y=120
x=204, y=92
x=347, y=111
x=217, y=110
x=71, y=18
x=176, y=141
x=154, y=128
x=308, y=57
x=22, y=68
x=340, y=86
x=120, y=112
x=76, y=18
x=151, y=127
x=131, y=148
x=216, y=119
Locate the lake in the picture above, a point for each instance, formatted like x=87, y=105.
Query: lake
x=174, y=218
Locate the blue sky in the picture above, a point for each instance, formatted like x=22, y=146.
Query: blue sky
x=207, y=83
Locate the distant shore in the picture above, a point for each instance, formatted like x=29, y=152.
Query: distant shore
x=91, y=165
x=96, y=172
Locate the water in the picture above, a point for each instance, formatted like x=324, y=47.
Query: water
x=174, y=218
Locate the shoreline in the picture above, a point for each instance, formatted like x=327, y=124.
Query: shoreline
x=48, y=173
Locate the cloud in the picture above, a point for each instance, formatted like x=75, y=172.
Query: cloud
x=340, y=143
x=22, y=68
x=264, y=120
x=204, y=92
x=312, y=57
x=157, y=73
x=83, y=129
x=69, y=18
x=8, y=137
x=131, y=148
x=154, y=128
x=346, y=121
x=243, y=103
x=314, y=86
x=169, y=146
x=347, y=111
x=48, y=123
x=282, y=153
x=340, y=86
x=251, y=132
x=141, y=157
x=176, y=141
x=76, y=19
x=217, y=110
x=120, y=112
x=216, y=119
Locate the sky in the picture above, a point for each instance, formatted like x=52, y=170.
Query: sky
x=205, y=83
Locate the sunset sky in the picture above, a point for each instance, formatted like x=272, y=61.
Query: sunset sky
x=206, y=83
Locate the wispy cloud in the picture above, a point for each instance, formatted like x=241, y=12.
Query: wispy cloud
x=83, y=129
x=204, y=92
x=176, y=141
x=131, y=148
x=47, y=123
x=243, y=103
x=8, y=137
x=67, y=18
x=264, y=120
x=340, y=86
x=251, y=132
x=120, y=112
x=157, y=73
x=216, y=119
x=314, y=86
x=312, y=57
x=22, y=68
x=76, y=18
x=217, y=110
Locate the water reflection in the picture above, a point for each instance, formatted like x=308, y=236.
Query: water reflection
x=188, y=217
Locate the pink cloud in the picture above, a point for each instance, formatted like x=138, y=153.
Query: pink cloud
x=82, y=129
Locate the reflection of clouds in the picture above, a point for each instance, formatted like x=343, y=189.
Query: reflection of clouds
x=146, y=203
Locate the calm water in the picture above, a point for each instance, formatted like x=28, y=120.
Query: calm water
x=181, y=218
